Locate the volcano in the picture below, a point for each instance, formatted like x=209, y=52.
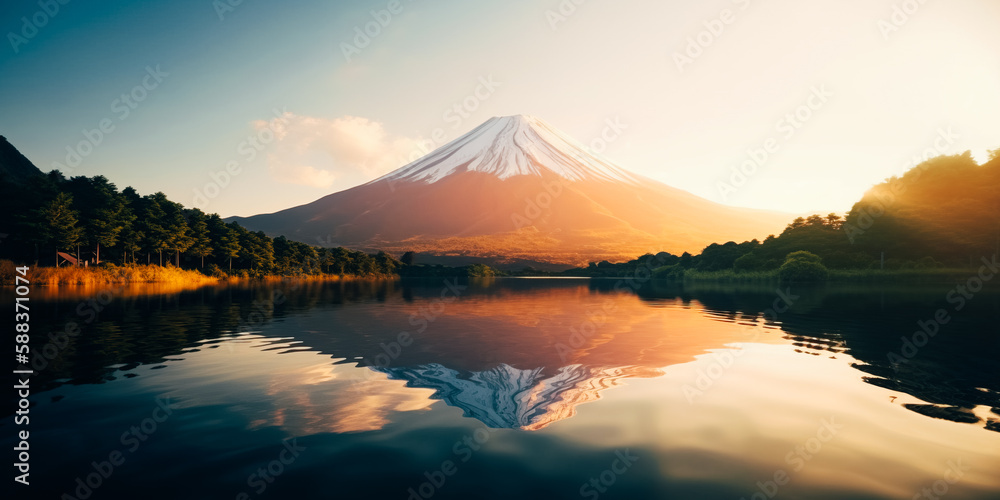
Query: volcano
x=517, y=189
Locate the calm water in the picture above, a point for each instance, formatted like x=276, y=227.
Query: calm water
x=514, y=388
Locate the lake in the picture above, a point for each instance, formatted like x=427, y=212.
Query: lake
x=514, y=388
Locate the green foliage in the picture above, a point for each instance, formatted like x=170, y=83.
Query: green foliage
x=804, y=256
x=673, y=273
x=946, y=208
x=58, y=214
x=480, y=271
x=201, y=241
x=752, y=262
x=717, y=257
x=803, y=266
x=643, y=267
x=56, y=223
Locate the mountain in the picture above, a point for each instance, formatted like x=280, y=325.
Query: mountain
x=504, y=397
x=14, y=167
x=517, y=188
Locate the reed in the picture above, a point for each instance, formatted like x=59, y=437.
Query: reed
x=105, y=274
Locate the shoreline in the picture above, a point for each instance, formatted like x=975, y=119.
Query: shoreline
x=151, y=274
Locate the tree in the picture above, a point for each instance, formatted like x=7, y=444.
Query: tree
x=408, y=258
x=154, y=230
x=258, y=251
x=201, y=241
x=225, y=239
x=229, y=245
x=108, y=223
x=835, y=221
x=130, y=235
x=130, y=240
x=178, y=235
x=802, y=266
x=103, y=212
x=58, y=223
x=387, y=264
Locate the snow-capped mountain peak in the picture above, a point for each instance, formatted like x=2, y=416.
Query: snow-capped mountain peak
x=510, y=146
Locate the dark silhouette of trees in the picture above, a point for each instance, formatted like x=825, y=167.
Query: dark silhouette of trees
x=57, y=225
x=943, y=212
x=201, y=240
x=55, y=214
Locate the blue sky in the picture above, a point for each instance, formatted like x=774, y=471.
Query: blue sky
x=896, y=86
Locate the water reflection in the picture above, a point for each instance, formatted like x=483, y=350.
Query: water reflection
x=508, y=397
x=518, y=354
x=952, y=376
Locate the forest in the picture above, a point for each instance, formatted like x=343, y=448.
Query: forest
x=93, y=221
x=942, y=214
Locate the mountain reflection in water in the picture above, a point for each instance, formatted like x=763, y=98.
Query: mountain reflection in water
x=525, y=353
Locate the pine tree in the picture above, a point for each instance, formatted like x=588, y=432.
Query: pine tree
x=201, y=241
x=57, y=222
x=154, y=230
x=225, y=239
x=179, y=234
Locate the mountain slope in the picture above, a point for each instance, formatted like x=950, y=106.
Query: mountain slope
x=14, y=167
x=515, y=187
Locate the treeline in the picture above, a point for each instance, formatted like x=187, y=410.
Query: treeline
x=410, y=270
x=944, y=212
x=90, y=219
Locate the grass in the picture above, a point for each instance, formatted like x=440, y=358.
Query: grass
x=932, y=275
x=730, y=276
x=837, y=275
x=104, y=274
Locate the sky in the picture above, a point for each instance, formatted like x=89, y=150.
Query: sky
x=245, y=107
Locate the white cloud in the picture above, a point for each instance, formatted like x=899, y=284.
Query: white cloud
x=317, y=151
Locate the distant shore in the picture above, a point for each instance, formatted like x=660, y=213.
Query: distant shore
x=936, y=275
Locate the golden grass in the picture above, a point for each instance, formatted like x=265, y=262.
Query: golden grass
x=105, y=274
x=167, y=277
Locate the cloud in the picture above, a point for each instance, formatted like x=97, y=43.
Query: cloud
x=317, y=152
